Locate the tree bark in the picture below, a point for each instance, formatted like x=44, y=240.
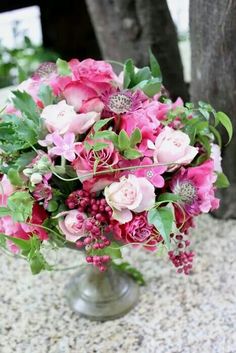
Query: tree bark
x=127, y=28
x=213, y=31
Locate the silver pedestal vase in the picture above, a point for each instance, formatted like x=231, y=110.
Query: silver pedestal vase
x=101, y=295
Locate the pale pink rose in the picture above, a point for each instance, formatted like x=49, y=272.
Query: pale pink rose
x=62, y=118
x=70, y=226
x=107, y=157
x=129, y=194
x=173, y=146
x=216, y=157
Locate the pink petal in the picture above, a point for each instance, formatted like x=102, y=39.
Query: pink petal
x=69, y=138
x=75, y=93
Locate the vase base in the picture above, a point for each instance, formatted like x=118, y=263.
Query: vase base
x=102, y=296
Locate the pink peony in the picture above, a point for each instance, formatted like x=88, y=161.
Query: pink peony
x=106, y=158
x=70, y=226
x=173, y=146
x=195, y=186
x=129, y=194
x=62, y=118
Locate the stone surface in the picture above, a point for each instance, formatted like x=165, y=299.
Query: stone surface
x=176, y=314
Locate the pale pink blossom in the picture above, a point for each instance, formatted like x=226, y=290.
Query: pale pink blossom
x=70, y=226
x=64, y=146
x=173, y=146
x=63, y=118
x=129, y=194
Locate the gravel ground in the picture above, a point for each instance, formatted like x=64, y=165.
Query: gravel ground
x=176, y=314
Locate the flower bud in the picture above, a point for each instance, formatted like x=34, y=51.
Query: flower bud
x=36, y=178
x=27, y=171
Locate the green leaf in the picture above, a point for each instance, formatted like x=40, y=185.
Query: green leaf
x=162, y=219
x=22, y=75
x=132, y=153
x=151, y=87
x=52, y=206
x=20, y=204
x=98, y=146
x=38, y=263
x=168, y=197
x=131, y=271
x=99, y=124
x=107, y=135
x=45, y=94
x=216, y=134
x=63, y=67
x=141, y=75
x=226, y=122
x=222, y=181
x=14, y=177
x=136, y=137
x=87, y=146
x=128, y=73
x=154, y=65
x=204, y=140
x=25, y=103
x=25, y=159
x=4, y=211
x=23, y=244
x=113, y=250
x=123, y=140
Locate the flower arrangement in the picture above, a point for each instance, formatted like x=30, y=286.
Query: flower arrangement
x=96, y=161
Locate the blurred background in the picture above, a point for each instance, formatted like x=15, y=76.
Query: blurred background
x=35, y=31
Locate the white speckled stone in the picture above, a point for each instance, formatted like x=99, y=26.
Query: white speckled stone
x=176, y=314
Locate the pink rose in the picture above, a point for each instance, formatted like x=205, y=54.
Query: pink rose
x=173, y=146
x=138, y=231
x=6, y=189
x=129, y=194
x=83, y=98
x=71, y=226
x=84, y=163
x=62, y=118
x=96, y=74
x=216, y=157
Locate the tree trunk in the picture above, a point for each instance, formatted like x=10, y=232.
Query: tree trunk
x=213, y=31
x=127, y=28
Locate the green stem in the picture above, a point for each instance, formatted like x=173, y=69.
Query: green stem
x=117, y=170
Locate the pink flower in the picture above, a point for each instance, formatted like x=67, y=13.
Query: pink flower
x=43, y=192
x=173, y=146
x=99, y=183
x=72, y=226
x=106, y=158
x=138, y=231
x=153, y=174
x=64, y=146
x=6, y=189
x=131, y=193
x=62, y=118
x=216, y=157
x=83, y=98
x=38, y=217
x=195, y=186
x=120, y=102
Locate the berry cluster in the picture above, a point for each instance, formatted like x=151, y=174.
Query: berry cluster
x=96, y=226
x=181, y=258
